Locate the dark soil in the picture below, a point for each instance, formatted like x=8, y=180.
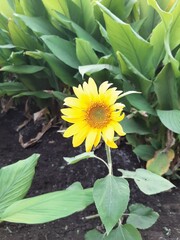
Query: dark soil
x=52, y=173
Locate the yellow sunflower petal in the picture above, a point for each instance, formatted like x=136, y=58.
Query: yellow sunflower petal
x=90, y=140
x=119, y=106
x=108, y=133
x=92, y=87
x=118, y=128
x=111, y=144
x=78, y=91
x=104, y=86
x=70, y=119
x=73, y=112
x=98, y=138
x=73, y=129
x=72, y=102
x=117, y=117
x=79, y=138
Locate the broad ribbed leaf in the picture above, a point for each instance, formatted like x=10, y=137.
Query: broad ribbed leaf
x=170, y=119
x=94, y=235
x=168, y=21
x=134, y=126
x=125, y=40
x=84, y=14
x=6, y=8
x=61, y=70
x=11, y=88
x=62, y=49
x=21, y=38
x=165, y=85
x=48, y=207
x=15, y=180
x=111, y=196
x=22, y=69
x=85, y=53
x=147, y=181
x=151, y=18
x=121, y=8
x=89, y=69
x=134, y=75
x=145, y=152
x=38, y=24
x=56, y=5
x=141, y=217
x=160, y=162
x=83, y=34
x=33, y=7
x=123, y=232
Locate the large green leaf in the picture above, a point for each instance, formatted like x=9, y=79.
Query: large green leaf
x=48, y=207
x=83, y=34
x=94, y=235
x=33, y=8
x=165, y=85
x=111, y=196
x=84, y=14
x=11, y=88
x=22, y=69
x=21, y=38
x=6, y=8
x=141, y=217
x=145, y=152
x=175, y=28
x=168, y=21
x=85, y=53
x=61, y=70
x=134, y=75
x=134, y=126
x=15, y=181
x=157, y=41
x=138, y=100
x=121, y=8
x=38, y=24
x=93, y=68
x=3, y=22
x=147, y=181
x=62, y=49
x=123, y=232
x=170, y=119
x=58, y=5
x=160, y=162
x=125, y=40
x=151, y=18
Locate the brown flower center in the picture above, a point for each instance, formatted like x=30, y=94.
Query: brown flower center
x=98, y=115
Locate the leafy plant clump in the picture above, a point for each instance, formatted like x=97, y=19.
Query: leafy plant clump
x=45, y=49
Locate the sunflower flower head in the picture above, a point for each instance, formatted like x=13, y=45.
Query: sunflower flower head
x=94, y=114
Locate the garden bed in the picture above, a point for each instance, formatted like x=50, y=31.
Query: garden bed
x=52, y=173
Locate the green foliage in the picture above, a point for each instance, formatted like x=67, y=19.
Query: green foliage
x=47, y=207
x=141, y=217
x=111, y=196
x=15, y=181
x=147, y=181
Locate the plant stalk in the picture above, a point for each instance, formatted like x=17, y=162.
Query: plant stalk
x=109, y=159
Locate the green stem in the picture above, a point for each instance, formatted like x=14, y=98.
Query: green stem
x=109, y=159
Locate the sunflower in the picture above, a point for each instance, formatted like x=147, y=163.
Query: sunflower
x=93, y=113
